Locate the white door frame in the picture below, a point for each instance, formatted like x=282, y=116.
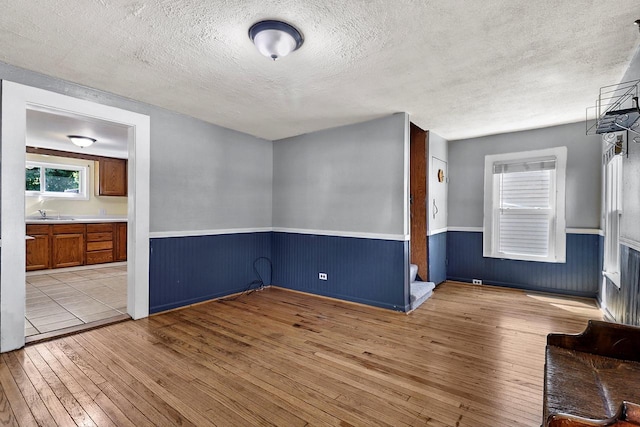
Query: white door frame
x=16, y=100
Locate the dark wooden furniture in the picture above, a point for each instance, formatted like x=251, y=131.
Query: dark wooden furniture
x=38, y=249
x=112, y=177
x=628, y=415
x=67, y=245
x=591, y=374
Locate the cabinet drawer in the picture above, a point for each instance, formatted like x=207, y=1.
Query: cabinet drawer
x=100, y=228
x=68, y=229
x=99, y=257
x=99, y=246
x=99, y=237
x=37, y=229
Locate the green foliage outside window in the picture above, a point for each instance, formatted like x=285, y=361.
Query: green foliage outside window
x=33, y=179
x=44, y=179
x=62, y=181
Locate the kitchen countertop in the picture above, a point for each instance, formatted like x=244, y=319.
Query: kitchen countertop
x=65, y=219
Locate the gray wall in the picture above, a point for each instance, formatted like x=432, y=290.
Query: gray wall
x=349, y=178
x=438, y=149
x=203, y=176
x=583, y=186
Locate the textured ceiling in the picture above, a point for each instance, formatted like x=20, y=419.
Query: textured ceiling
x=461, y=68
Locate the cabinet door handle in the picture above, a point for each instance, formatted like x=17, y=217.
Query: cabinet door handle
x=435, y=209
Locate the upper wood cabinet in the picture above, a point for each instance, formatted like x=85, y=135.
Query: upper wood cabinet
x=112, y=177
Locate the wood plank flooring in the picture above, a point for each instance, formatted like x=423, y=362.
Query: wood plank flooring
x=469, y=356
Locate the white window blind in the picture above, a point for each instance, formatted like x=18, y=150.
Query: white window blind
x=521, y=206
x=525, y=212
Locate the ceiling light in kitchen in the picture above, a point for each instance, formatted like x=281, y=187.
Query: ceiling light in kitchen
x=81, y=141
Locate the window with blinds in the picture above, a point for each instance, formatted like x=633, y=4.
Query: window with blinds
x=613, y=210
x=521, y=207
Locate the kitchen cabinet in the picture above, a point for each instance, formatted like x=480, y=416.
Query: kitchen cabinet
x=112, y=177
x=67, y=245
x=121, y=241
x=38, y=249
x=99, y=243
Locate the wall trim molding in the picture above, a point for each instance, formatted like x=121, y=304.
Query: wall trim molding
x=468, y=229
x=630, y=244
x=195, y=233
x=437, y=231
x=568, y=230
x=585, y=231
x=356, y=234
x=222, y=231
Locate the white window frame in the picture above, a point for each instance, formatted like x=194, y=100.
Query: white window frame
x=612, y=212
x=557, y=232
x=83, y=193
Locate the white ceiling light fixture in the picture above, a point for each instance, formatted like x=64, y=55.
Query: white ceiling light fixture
x=81, y=141
x=275, y=39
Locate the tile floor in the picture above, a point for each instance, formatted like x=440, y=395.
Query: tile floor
x=61, y=298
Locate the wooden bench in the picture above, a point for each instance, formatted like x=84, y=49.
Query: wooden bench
x=588, y=376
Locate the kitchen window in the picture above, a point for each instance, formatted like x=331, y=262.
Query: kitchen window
x=524, y=206
x=56, y=180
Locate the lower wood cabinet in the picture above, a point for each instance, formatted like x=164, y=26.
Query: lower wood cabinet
x=121, y=241
x=68, y=245
x=38, y=249
x=99, y=243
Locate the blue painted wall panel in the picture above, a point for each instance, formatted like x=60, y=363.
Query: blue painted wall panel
x=438, y=258
x=624, y=303
x=368, y=271
x=186, y=270
x=580, y=275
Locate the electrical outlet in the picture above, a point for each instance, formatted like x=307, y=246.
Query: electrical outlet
x=477, y=282
x=322, y=276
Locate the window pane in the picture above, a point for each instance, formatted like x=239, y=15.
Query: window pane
x=524, y=220
x=525, y=189
x=33, y=178
x=524, y=232
x=62, y=181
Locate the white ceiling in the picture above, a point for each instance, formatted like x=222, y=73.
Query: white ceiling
x=461, y=68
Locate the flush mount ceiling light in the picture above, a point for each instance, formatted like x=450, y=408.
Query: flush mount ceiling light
x=275, y=39
x=81, y=141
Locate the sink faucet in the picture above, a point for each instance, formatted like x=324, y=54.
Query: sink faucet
x=43, y=213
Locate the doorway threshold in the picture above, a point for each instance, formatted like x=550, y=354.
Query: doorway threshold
x=71, y=330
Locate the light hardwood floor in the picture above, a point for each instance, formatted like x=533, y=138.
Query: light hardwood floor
x=469, y=356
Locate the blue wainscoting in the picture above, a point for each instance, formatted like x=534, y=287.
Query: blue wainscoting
x=438, y=258
x=579, y=276
x=368, y=271
x=186, y=270
x=623, y=303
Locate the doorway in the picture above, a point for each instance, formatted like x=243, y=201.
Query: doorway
x=418, y=200
x=17, y=100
